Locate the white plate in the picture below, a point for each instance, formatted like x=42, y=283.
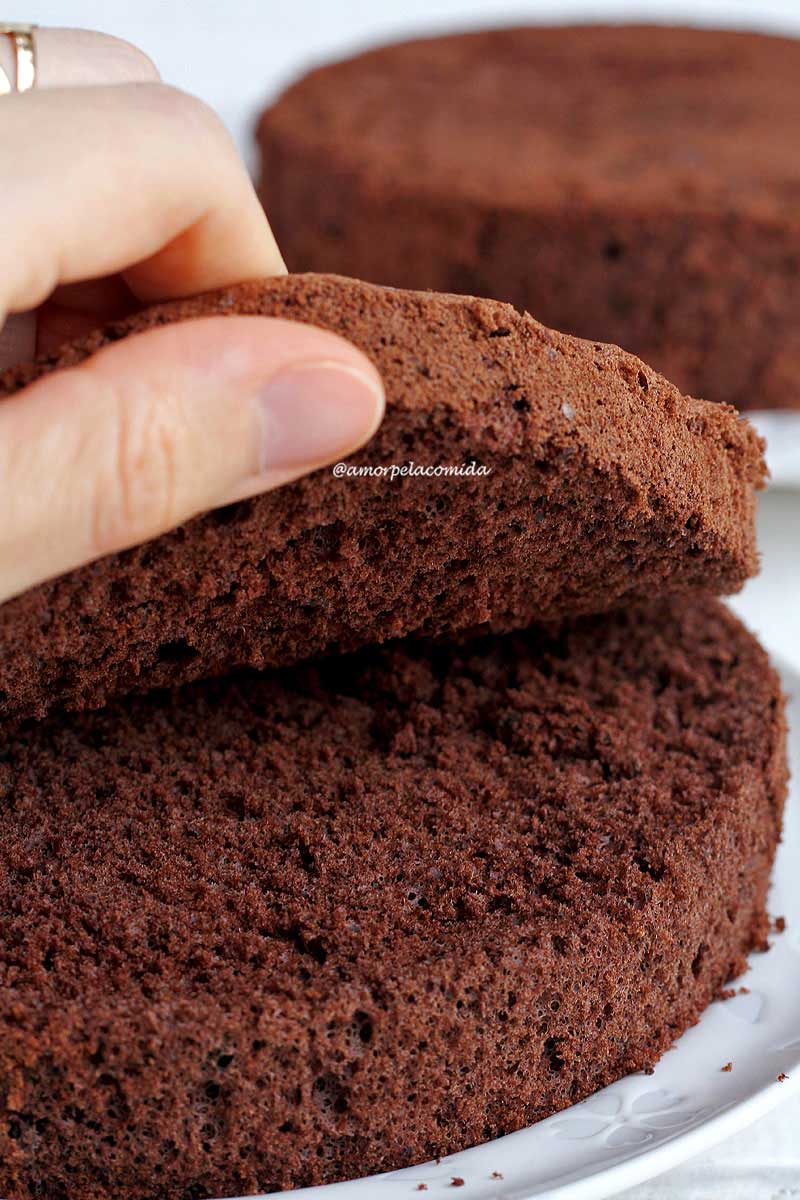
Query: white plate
x=782, y=431
x=643, y=1125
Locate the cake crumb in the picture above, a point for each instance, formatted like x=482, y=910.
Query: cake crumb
x=497, y=1175
x=422, y=1187
x=728, y=1067
x=744, y=991
x=782, y=1076
x=456, y=1181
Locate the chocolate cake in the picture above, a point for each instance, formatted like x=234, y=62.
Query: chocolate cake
x=636, y=185
x=279, y=930
x=604, y=485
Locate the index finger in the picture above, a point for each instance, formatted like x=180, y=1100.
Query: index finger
x=138, y=178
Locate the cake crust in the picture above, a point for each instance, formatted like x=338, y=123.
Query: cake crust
x=650, y=201
x=605, y=485
x=277, y=931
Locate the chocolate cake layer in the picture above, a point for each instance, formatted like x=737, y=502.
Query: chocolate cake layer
x=604, y=484
x=631, y=184
x=271, y=932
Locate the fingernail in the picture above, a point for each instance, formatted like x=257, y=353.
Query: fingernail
x=316, y=412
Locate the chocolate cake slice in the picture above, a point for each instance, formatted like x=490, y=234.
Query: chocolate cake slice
x=636, y=185
x=278, y=931
x=595, y=482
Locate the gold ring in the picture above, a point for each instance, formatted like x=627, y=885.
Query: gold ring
x=21, y=37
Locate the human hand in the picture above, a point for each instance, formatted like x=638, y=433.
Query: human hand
x=119, y=191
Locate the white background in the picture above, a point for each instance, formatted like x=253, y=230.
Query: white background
x=238, y=53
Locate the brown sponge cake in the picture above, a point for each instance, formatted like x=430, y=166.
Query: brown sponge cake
x=272, y=932
x=605, y=484
x=635, y=185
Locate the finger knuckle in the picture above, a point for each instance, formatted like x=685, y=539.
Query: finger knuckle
x=192, y=114
x=137, y=494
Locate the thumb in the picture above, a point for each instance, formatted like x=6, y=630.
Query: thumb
x=166, y=424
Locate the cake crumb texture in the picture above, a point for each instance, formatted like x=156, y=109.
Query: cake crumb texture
x=284, y=929
x=605, y=485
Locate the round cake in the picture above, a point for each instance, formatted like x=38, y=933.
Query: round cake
x=588, y=482
x=281, y=930
x=635, y=185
